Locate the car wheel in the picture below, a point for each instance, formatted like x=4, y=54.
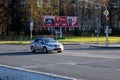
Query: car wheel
x=45, y=50
x=32, y=49
x=59, y=51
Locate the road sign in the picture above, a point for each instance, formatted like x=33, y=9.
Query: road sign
x=57, y=31
x=31, y=28
x=106, y=12
x=109, y=31
x=31, y=24
x=51, y=28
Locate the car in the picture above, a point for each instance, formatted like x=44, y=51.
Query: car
x=46, y=45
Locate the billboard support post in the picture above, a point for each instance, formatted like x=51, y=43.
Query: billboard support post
x=60, y=32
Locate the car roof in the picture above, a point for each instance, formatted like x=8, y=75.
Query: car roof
x=45, y=38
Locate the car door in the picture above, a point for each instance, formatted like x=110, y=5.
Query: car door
x=36, y=43
x=40, y=44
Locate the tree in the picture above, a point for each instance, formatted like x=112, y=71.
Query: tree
x=17, y=16
x=4, y=17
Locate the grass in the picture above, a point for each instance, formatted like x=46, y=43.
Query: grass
x=15, y=42
x=70, y=39
x=91, y=39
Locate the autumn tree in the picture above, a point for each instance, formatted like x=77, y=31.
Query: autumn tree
x=4, y=17
x=15, y=15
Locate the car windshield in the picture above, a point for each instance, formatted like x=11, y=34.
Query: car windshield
x=49, y=40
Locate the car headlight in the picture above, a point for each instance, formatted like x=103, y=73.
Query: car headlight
x=53, y=45
x=57, y=45
x=48, y=45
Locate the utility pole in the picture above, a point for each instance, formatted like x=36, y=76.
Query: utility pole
x=31, y=18
x=106, y=13
x=39, y=6
x=59, y=15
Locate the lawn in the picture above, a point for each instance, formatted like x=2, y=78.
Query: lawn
x=91, y=39
x=70, y=39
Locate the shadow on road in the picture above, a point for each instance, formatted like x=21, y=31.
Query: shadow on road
x=22, y=53
x=25, y=53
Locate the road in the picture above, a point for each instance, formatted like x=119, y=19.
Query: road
x=77, y=61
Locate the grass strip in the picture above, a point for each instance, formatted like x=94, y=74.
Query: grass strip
x=74, y=39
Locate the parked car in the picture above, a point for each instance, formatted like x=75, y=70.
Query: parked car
x=46, y=45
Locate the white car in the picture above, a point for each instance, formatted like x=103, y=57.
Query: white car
x=46, y=45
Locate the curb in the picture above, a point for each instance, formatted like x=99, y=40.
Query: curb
x=103, y=46
x=14, y=73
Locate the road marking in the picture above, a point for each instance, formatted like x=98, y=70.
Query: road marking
x=49, y=74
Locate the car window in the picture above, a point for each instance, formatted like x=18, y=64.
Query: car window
x=49, y=40
x=36, y=40
x=41, y=41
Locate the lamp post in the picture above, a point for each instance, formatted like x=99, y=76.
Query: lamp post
x=59, y=15
x=31, y=22
x=31, y=19
x=40, y=6
x=31, y=16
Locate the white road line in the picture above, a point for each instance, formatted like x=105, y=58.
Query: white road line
x=49, y=74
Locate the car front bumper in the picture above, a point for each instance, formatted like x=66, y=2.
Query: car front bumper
x=55, y=48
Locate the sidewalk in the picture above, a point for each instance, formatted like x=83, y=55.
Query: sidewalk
x=111, y=45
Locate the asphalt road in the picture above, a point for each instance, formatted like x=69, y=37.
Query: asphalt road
x=77, y=61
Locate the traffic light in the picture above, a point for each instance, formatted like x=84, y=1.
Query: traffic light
x=107, y=18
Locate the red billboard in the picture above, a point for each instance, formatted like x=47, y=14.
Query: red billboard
x=60, y=21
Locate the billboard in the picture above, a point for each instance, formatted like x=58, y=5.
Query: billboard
x=60, y=21
x=72, y=21
x=48, y=20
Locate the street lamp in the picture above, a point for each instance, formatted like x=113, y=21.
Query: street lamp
x=31, y=18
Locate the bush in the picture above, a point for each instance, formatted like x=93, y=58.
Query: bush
x=77, y=32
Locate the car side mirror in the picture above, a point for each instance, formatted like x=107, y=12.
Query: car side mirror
x=41, y=42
